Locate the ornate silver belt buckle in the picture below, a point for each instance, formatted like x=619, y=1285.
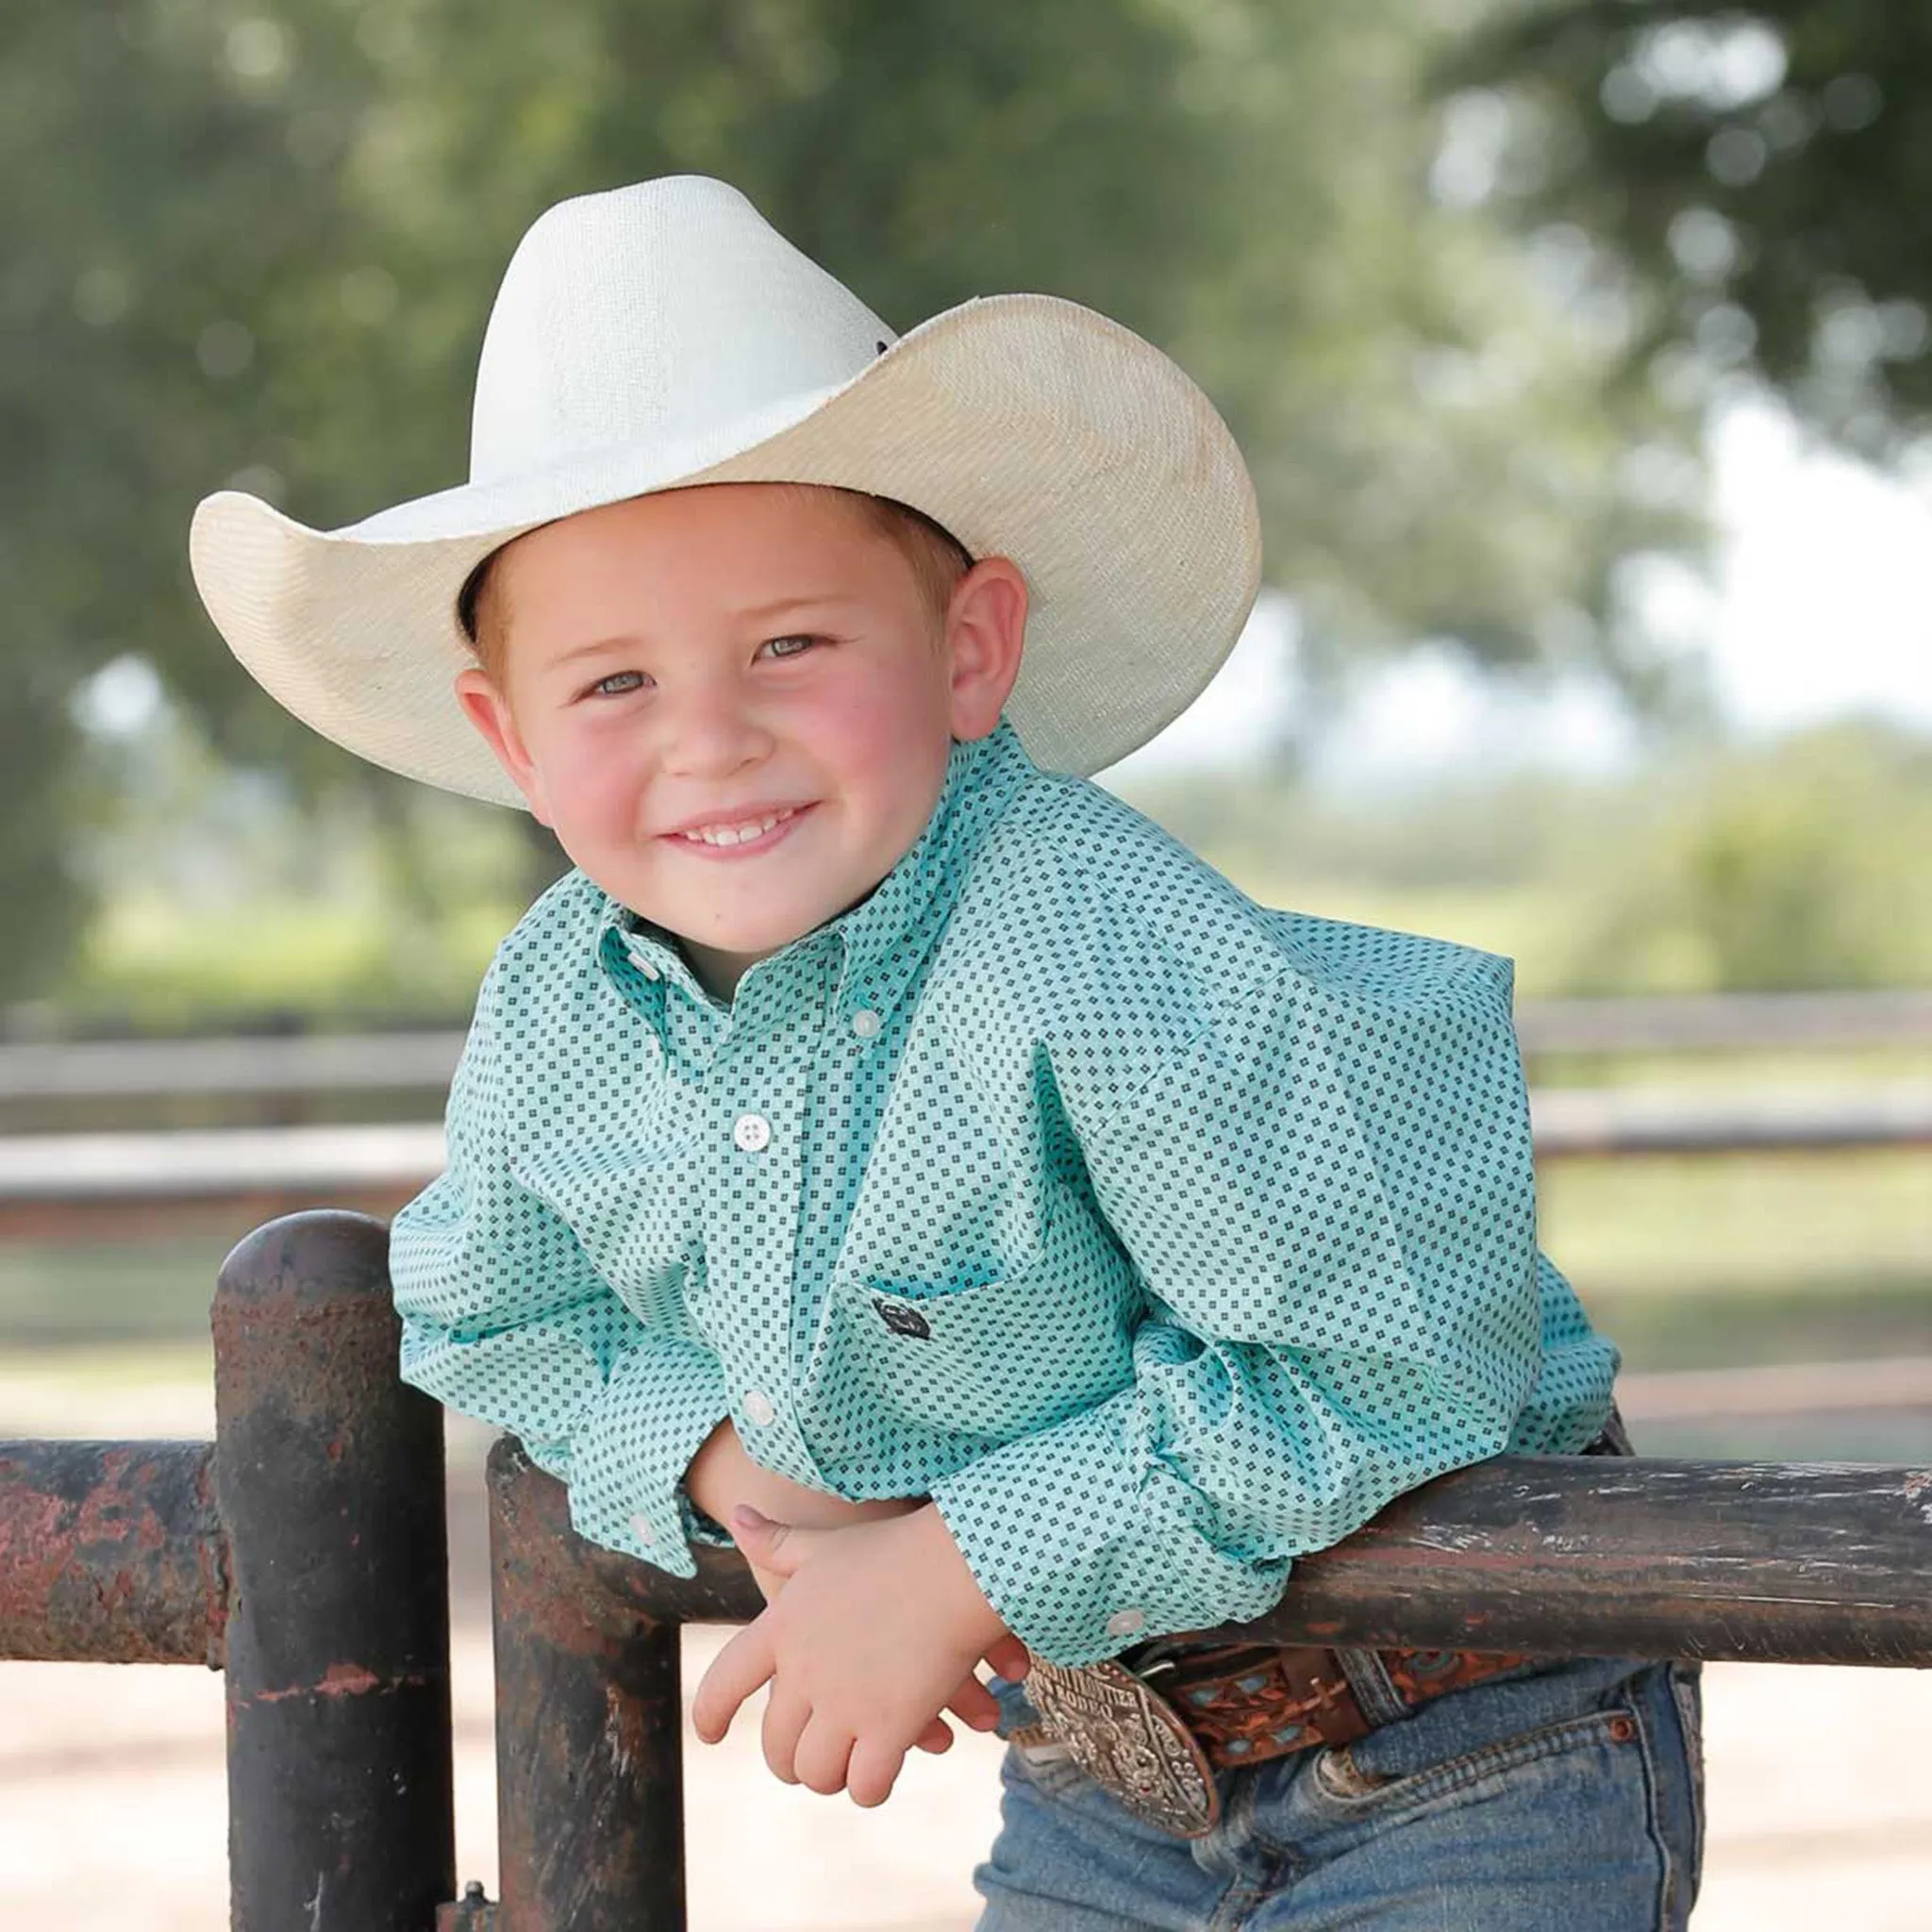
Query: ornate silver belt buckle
x=1130, y=1742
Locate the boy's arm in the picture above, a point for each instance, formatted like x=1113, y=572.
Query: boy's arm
x=1328, y=1195
x=504, y=1317
x=722, y=1475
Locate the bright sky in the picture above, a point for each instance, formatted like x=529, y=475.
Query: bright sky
x=1821, y=606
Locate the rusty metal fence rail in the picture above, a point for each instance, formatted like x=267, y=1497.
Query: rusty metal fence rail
x=304, y=1552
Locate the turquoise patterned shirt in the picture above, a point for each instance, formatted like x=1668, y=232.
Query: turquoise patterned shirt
x=1157, y=1236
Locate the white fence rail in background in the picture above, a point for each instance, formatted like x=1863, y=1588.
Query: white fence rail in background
x=336, y=1063
x=320, y=1161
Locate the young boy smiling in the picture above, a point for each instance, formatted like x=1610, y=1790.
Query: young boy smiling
x=735, y=706
x=890, y=1153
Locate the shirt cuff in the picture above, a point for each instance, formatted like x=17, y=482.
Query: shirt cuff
x=628, y=1459
x=1085, y=1547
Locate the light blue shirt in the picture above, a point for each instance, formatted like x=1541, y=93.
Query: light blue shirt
x=1157, y=1236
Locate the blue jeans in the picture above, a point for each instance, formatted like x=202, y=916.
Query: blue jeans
x=1560, y=1798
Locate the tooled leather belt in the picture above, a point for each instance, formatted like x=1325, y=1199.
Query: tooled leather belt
x=1154, y=1728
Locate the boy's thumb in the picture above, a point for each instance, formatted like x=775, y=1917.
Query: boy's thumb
x=753, y=1532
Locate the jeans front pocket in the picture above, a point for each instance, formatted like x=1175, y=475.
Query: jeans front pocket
x=1550, y=1800
x=1351, y=1788
x=1687, y=1693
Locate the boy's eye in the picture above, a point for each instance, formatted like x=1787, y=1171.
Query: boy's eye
x=617, y=684
x=788, y=647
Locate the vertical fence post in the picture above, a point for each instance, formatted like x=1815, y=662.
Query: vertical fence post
x=589, y=1774
x=331, y=1481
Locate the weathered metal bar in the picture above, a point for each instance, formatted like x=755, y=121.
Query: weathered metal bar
x=110, y=1552
x=329, y=1472
x=1554, y=1556
x=590, y=1787
x=1563, y=1555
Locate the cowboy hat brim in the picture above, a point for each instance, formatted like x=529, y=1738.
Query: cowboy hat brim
x=1027, y=426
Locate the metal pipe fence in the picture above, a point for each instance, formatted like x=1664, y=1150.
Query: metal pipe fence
x=303, y=1551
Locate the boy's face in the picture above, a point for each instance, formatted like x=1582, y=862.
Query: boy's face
x=734, y=705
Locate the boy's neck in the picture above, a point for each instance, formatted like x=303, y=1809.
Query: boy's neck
x=717, y=973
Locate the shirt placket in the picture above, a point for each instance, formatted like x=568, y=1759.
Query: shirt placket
x=755, y=1120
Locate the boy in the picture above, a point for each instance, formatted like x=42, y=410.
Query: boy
x=903, y=1160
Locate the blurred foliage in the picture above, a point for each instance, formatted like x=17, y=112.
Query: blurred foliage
x=1794, y=864
x=1797, y=864
x=1768, y=872
x=254, y=242
x=1760, y=174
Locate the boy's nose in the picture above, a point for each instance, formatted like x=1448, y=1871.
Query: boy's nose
x=712, y=736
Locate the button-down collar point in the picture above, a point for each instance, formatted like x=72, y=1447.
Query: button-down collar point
x=643, y=1529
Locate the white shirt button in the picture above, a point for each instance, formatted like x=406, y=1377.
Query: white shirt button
x=643, y=965
x=758, y=1405
x=643, y=1529
x=753, y=1133
x=865, y=1023
x=1124, y=1622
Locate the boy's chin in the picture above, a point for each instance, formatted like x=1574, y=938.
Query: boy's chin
x=748, y=938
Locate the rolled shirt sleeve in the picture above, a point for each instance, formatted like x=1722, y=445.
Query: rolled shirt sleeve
x=505, y=1319
x=1327, y=1195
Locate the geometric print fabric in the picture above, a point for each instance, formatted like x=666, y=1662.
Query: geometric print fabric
x=1157, y=1236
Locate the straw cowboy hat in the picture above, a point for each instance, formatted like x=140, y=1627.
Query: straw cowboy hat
x=664, y=334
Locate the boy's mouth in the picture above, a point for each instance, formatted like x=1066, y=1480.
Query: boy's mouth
x=729, y=838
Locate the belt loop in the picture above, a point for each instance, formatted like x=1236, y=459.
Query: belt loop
x=1380, y=1702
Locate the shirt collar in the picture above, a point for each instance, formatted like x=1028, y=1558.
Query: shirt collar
x=877, y=945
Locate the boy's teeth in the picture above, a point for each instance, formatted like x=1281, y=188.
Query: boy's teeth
x=736, y=835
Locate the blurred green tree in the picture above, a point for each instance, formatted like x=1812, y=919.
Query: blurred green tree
x=1761, y=175
x=1793, y=866
x=253, y=242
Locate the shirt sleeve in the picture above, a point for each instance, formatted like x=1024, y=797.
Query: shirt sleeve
x=505, y=1319
x=1328, y=1197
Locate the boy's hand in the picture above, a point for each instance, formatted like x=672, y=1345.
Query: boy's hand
x=971, y=1703
x=879, y=1626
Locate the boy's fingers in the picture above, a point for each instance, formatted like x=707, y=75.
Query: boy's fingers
x=871, y=1770
x=936, y=1738
x=1010, y=1657
x=821, y=1757
x=784, y=1721
x=974, y=1704
x=768, y=1546
x=736, y=1672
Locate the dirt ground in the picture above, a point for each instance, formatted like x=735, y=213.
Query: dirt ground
x=112, y=1809
x=112, y=1798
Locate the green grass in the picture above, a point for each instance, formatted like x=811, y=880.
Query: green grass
x=1742, y=1224
x=153, y=967
x=60, y=1295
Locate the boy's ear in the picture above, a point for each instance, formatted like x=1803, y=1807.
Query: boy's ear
x=488, y=710
x=986, y=631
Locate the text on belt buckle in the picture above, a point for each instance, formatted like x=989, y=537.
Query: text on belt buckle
x=1130, y=1742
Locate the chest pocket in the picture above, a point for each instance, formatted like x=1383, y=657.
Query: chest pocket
x=994, y=1360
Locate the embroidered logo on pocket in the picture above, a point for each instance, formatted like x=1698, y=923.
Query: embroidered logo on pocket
x=902, y=1319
